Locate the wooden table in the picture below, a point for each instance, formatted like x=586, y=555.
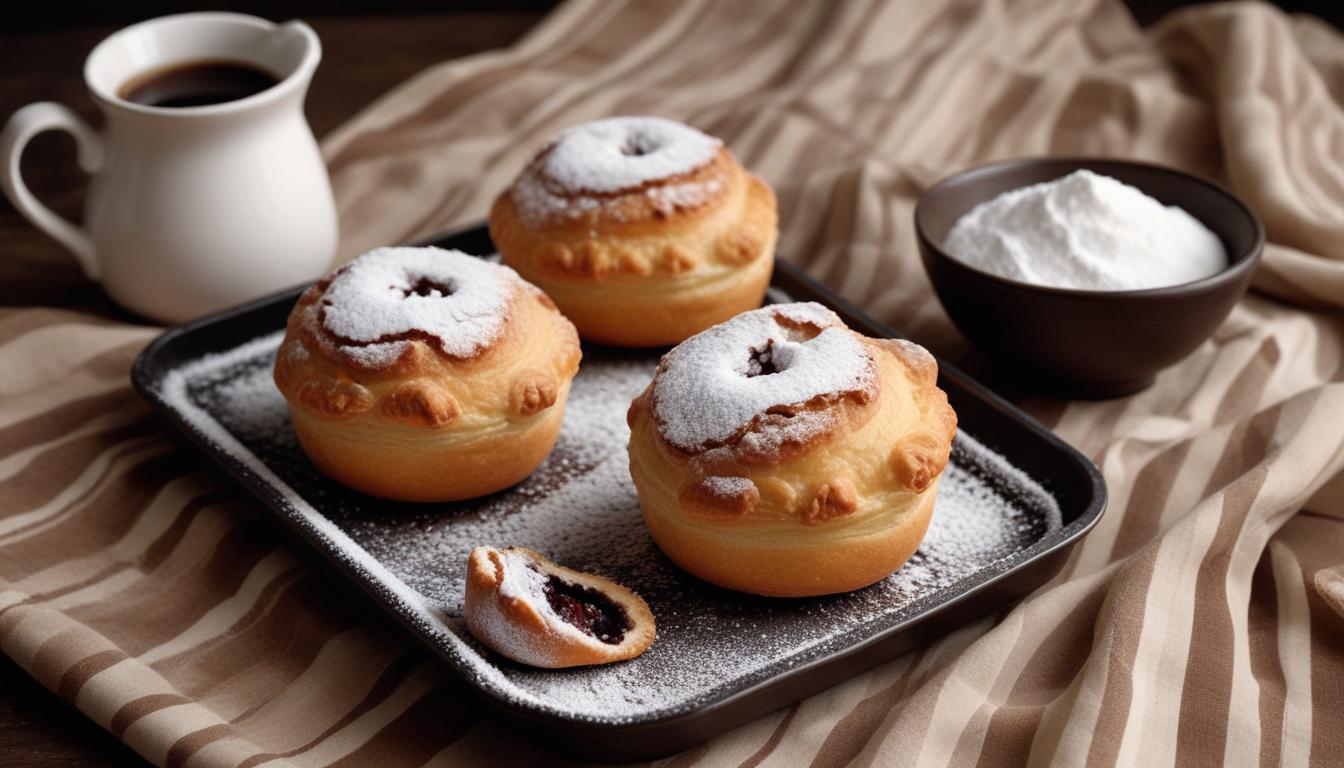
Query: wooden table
x=362, y=58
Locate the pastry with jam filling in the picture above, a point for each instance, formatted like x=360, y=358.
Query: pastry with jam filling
x=531, y=610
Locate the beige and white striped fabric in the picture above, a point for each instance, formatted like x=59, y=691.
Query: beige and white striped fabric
x=1201, y=623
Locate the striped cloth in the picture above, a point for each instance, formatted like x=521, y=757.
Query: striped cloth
x=1202, y=622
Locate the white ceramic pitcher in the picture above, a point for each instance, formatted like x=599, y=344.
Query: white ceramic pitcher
x=191, y=209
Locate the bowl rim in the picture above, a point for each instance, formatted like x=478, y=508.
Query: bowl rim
x=1237, y=267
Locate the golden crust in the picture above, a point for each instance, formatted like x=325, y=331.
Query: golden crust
x=838, y=512
x=519, y=627
x=834, y=499
x=920, y=456
x=532, y=393
x=708, y=498
x=397, y=461
x=424, y=425
x=418, y=403
x=631, y=268
x=335, y=398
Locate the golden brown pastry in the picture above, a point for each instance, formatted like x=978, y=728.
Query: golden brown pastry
x=426, y=375
x=644, y=231
x=781, y=453
x=531, y=610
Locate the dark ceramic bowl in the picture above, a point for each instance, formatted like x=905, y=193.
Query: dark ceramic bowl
x=1079, y=343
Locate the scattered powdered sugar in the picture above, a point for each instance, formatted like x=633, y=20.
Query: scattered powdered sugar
x=670, y=197
x=460, y=301
x=580, y=509
x=728, y=486
x=240, y=379
x=297, y=351
x=520, y=579
x=621, y=153
x=978, y=497
x=1086, y=231
x=536, y=202
x=714, y=383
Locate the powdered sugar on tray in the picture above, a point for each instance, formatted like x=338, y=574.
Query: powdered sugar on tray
x=580, y=509
x=714, y=383
x=459, y=301
x=621, y=153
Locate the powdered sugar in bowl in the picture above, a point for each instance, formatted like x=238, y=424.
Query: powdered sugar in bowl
x=1106, y=338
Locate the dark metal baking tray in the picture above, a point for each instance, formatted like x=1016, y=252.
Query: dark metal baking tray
x=721, y=658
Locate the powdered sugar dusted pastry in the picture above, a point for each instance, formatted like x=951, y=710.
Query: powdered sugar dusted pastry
x=426, y=375
x=531, y=610
x=781, y=453
x=644, y=231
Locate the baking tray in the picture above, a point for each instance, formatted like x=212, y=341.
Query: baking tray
x=1014, y=501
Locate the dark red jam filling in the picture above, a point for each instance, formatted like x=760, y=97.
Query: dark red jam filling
x=588, y=609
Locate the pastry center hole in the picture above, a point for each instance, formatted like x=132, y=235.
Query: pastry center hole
x=428, y=288
x=588, y=609
x=762, y=362
x=635, y=146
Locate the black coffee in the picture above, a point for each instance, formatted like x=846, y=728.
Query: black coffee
x=197, y=83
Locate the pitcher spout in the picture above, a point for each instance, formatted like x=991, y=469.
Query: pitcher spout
x=297, y=45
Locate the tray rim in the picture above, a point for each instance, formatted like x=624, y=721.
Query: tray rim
x=148, y=386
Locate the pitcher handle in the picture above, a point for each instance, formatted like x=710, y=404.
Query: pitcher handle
x=23, y=126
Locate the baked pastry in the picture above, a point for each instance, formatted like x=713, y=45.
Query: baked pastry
x=643, y=230
x=426, y=375
x=531, y=610
x=781, y=453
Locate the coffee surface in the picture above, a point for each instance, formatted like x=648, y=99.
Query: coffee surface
x=197, y=84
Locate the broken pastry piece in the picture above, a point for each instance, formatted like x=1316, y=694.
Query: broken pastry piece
x=533, y=611
x=781, y=453
x=426, y=375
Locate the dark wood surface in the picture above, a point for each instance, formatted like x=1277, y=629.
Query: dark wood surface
x=362, y=58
